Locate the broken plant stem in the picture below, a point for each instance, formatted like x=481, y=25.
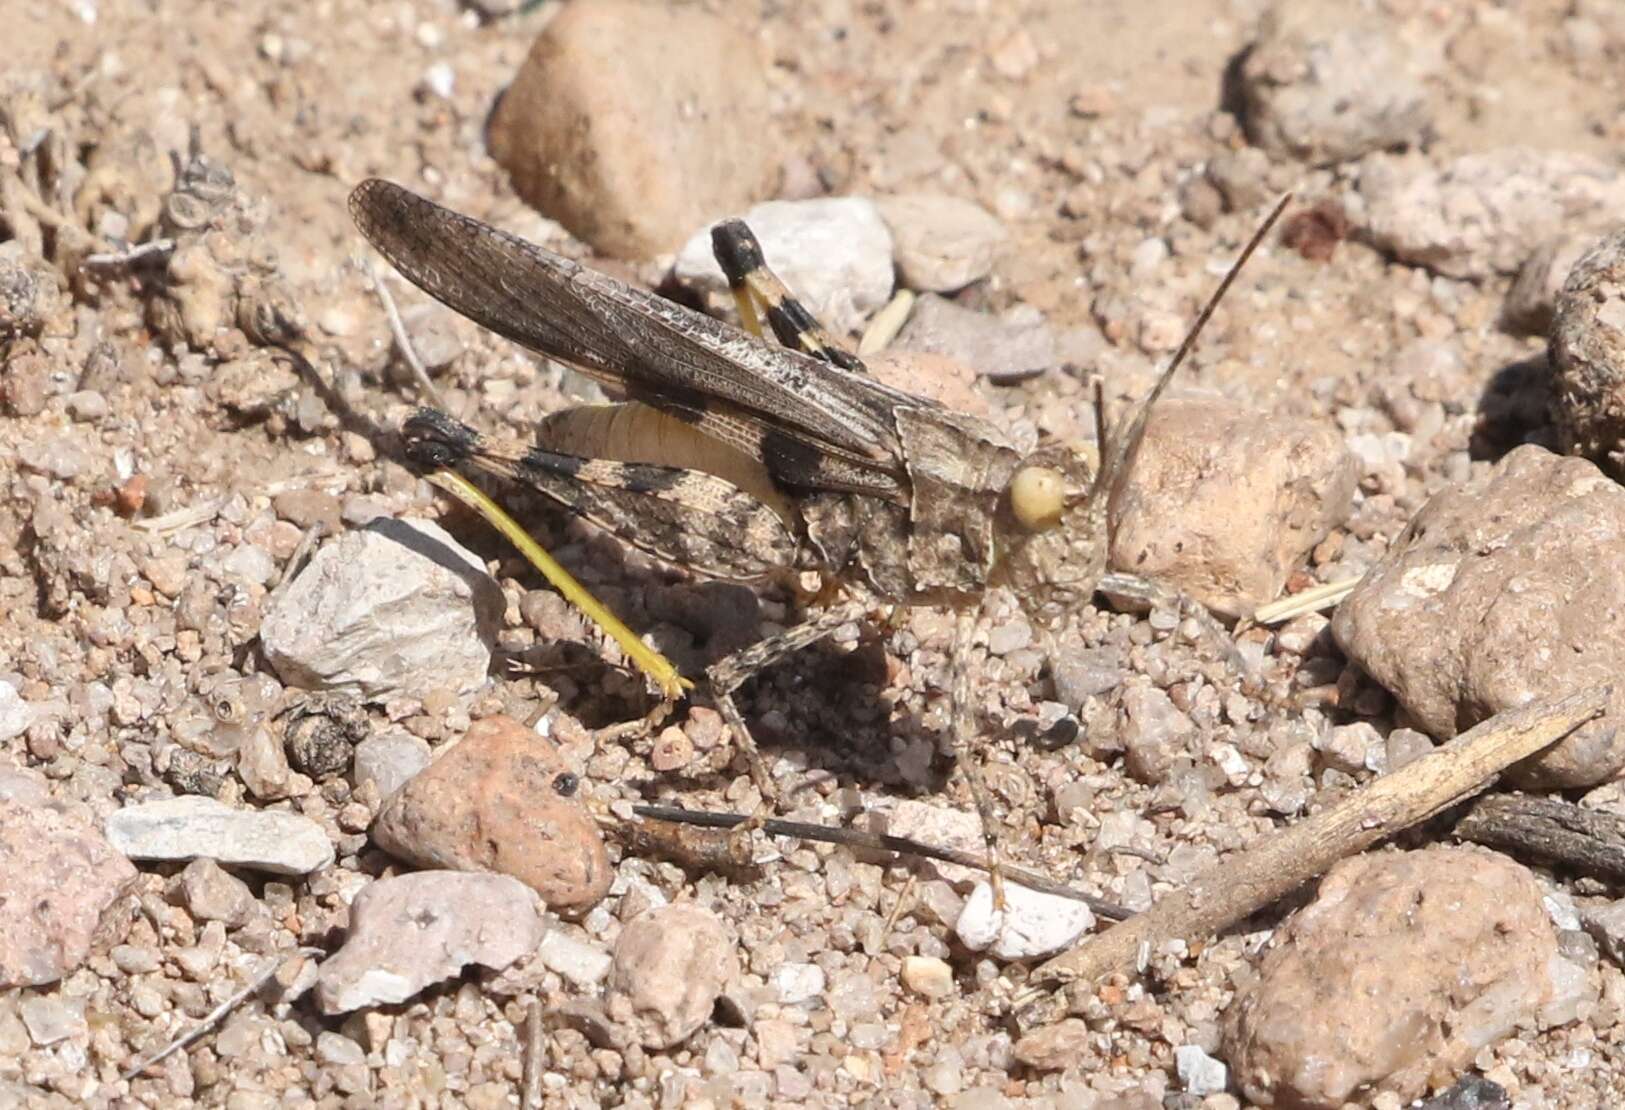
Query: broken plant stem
x=214, y=1016
x=883, y=842
x=1312, y=600
x=535, y=1056
x=403, y=342
x=886, y=323
x=130, y=255
x=1259, y=875
x=1589, y=841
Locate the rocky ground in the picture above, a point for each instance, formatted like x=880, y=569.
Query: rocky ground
x=297, y=756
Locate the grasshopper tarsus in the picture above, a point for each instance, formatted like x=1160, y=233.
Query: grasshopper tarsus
x=433, y=439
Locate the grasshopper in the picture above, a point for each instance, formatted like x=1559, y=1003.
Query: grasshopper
x=741, y=459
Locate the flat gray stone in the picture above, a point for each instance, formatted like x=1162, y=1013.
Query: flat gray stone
x=194, y=827
x=412, y=931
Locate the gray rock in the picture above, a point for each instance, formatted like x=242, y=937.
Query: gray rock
x=670, y=965
x=1032, y=925
x=798, y=983
x=941, y=243
x=1079, y=675
x=1353, y=748
x=211, y=893
x=1325, y=88
x=59, y=888
x=15, y=714
x=1481, y=215
x=389, y=760
x=1154, y=733
x=1504, y=590
x=1587, y=356
x=1199, y=1073
x=1532, y=300
x=1010, y=635
x=1606, y=924
x=434, y=331
x=395, y=608
x=194, y=827
x=412, y=931
x=51, y=1018
x=834, y=253
x=582, y=963
x=989, y=345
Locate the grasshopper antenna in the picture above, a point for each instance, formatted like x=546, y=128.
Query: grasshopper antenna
x=1116, y=460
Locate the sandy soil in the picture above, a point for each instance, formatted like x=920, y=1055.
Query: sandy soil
x=301, y=101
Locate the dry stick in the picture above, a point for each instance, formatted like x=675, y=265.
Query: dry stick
x=1252, y=879
x=1305, y=601
x=130, y=255
x=397, y=328
x=535, y=1049
x=213, y=1017
x=883, y=842
x=1587, y=840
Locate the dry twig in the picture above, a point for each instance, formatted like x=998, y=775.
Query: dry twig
x=214, y=1016
x=403, y=342
x=1254, y=878
x=535, y=1057
x=882, y=842
x=1587, y=840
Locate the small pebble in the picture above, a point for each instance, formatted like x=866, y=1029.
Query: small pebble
x=670, y=965
x=583, y=964
x=15, y=714
x=502, y=799
x=210, y=893
x=1032, y=924
x=672, y=750
x=389, y=760
x=928, y=976
x=798, y=983
x=51, y=1019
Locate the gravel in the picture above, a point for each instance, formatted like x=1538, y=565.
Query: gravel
x=171, y=478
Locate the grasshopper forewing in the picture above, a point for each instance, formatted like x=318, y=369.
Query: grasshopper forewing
x=741, y=459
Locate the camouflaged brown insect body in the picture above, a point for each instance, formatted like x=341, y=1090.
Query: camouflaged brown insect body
x=871, y=482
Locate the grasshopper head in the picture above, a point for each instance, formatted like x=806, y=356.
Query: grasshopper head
x=1052, y=533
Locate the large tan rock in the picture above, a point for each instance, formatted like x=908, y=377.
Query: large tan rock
x=1225, y=502
x=61, y=885
x=1504, y=590
x=1483, y=214
x=1401, y=969
x=501, y=799
x=632, y=124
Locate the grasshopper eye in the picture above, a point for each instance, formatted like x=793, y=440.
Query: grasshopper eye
x=1037, y=495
